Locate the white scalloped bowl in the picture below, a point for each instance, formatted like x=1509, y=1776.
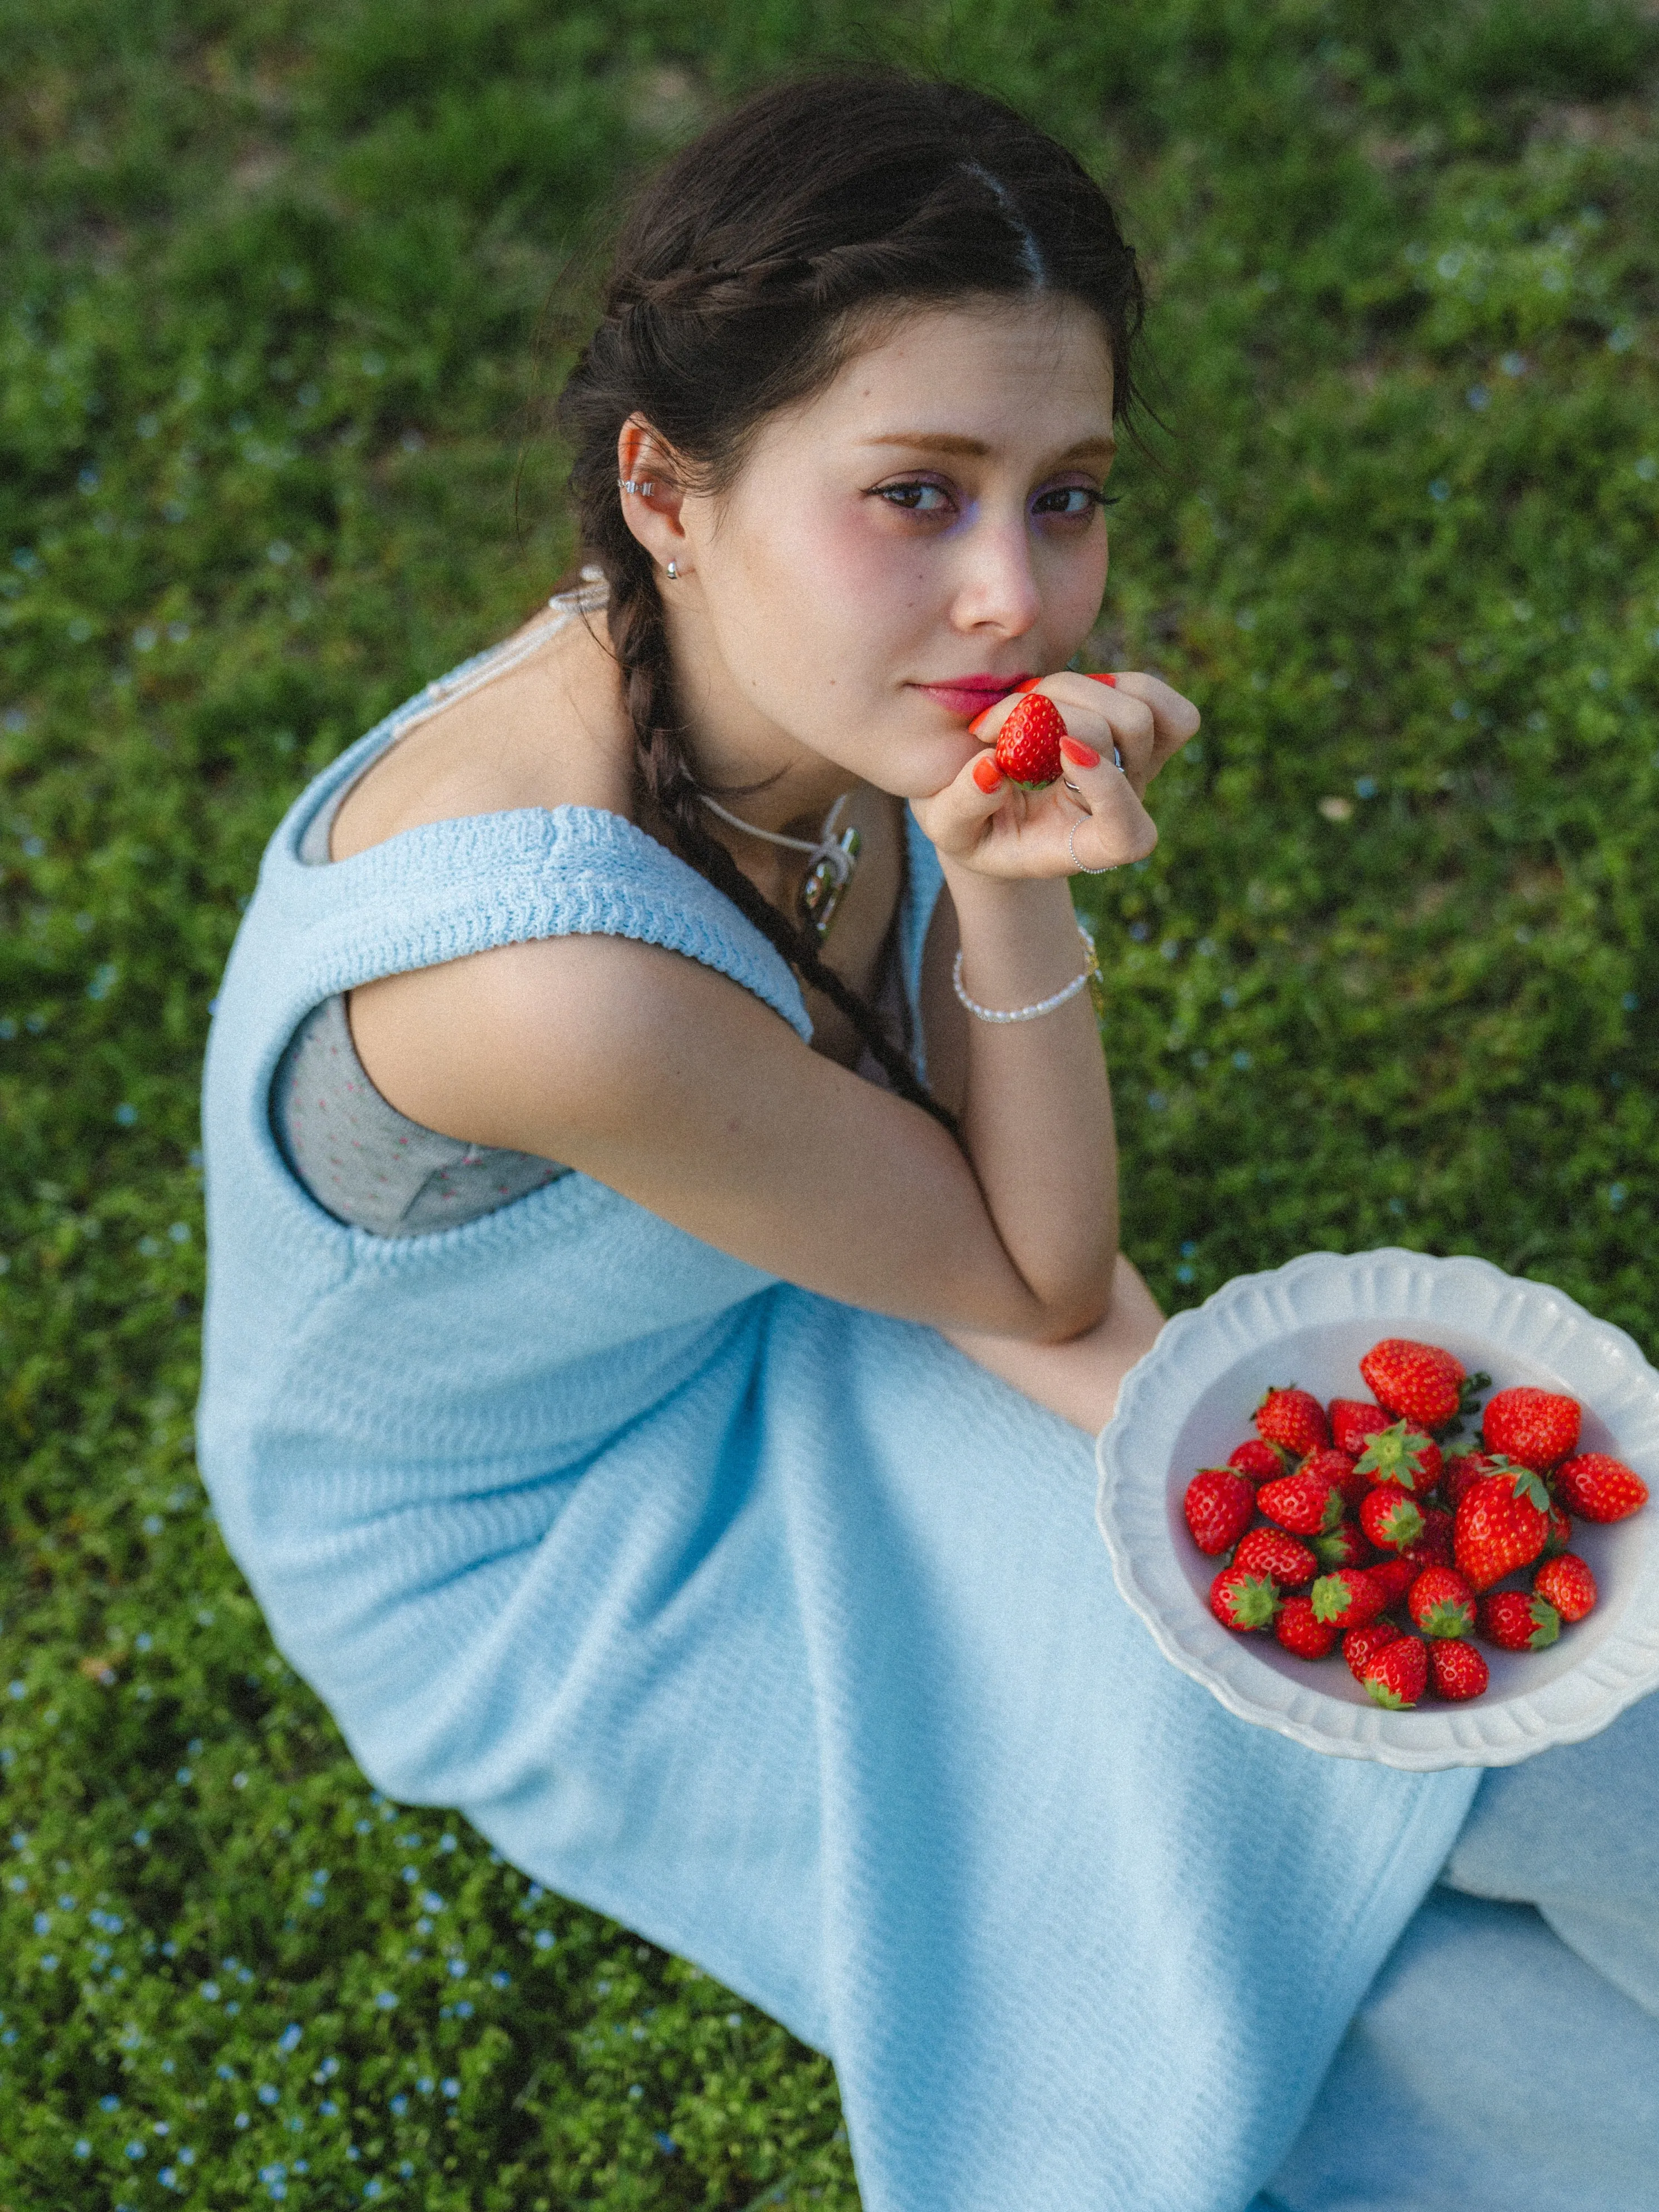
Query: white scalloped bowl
x=1189, y=1402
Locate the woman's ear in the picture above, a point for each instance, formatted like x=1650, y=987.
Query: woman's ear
x=651, y=492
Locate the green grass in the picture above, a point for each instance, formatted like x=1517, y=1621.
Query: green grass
x=273, y=280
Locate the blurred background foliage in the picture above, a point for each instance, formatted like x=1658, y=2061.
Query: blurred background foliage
x=281, y=286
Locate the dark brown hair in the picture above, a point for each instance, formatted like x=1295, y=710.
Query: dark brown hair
x=745, y=275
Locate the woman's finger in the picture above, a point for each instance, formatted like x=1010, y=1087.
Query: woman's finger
x=955, y=818
x=1114, y=827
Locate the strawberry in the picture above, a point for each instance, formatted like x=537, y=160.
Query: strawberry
x=1433, y=1548
x=1300, y=1630
x=1404, y=1455
x=1560, y=1534
x=1396, y=1676
x=1259, y=1459
x=1567, y=1584
x=1501, y=1524
x=1457, y=1669
x=1599, y=1488
x=1332, y=1466
x=1461, y=1469
x=1394, y=1576
x=1417, y=1381
x=1301, y=1503
x=1028, y=743
x=1354, y=1421
x=1218, y=1505
x=1271, y=1551
x=1535, y=1427
x=1441, y=1603
x=1243, y=1601
x=1515, y=1621
x=1391, y=1516
x=1341, y=1547
x=1348, y=1599
x=1294, y=1419
x=1361, y=1645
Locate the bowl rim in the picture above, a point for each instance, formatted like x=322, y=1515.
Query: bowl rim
x=1400, y=1290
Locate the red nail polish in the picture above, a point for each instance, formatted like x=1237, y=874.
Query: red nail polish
x=987, y=774
x=1029, y=685
x=973, y=726
x=1079, y=756
x=1093, y=678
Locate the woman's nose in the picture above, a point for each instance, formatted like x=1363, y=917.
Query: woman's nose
x=997, y=586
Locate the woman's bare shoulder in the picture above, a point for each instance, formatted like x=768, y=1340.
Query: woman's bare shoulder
x=549, y=731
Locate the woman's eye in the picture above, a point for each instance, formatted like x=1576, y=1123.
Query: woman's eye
x=916, y=498
x=1070, y=502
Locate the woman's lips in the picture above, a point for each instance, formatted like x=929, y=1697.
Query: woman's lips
x=968, y=695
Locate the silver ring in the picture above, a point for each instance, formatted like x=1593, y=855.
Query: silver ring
x=1078, y=866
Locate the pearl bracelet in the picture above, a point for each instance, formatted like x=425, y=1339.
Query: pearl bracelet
x=1088, y=980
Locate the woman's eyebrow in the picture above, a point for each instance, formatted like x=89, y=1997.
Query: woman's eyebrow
x=1098, y=450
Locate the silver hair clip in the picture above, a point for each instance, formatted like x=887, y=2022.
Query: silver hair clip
x=643, y=485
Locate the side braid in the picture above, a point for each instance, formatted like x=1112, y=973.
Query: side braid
x=640, y=642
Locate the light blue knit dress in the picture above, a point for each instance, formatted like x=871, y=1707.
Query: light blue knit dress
x=775, y=1629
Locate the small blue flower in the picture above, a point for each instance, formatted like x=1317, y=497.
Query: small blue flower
x=138, y=2150
x=1440, y=491
x=210, y=1991
x=451, y=2085
x=1242, y=1060
x=498, y=1980
x=82, y=2148
x=666, y=2145
x=457, y=1966
x=385, y=2000
x=432, y=1901
x=463, y=2009
x=289, y=2038
x=268, y=2092
x=545, y=1939
x=399, y=2106
x=108, y=2104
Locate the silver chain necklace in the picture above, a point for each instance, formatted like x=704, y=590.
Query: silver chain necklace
x=832, y=859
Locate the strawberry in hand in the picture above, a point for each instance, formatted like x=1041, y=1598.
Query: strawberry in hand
x=1028, y=743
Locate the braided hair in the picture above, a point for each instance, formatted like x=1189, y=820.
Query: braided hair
x=748, y=271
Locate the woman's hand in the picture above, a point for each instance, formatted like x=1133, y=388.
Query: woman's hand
x=1013, y=834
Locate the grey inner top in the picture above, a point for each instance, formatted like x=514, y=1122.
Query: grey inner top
x=369, y=1165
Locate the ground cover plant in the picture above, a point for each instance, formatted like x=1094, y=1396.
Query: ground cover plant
x=274, y=276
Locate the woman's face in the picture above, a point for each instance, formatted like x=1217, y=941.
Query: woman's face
x=900, y=551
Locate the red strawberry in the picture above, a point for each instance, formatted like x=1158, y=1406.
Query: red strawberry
x=1300, y=1630
x=1419, y=1382
x=1567, y=1584
x=1501, y=1524
x=1515, y=1621
x=1348, y=1599
x=1560, y=1534
x=1535, y=1427
x=1028, y=743
x=1302, y=1503
x=1271, y=1551
x=1243, y=1601
x=1219, y=1505
x=1294, y=1419
x=1391, y=1516
x=1341, y=1547
x=1361, y=1645
x=1332, y=1466
x=1394, y=1576
x=1457, y=1669
x=1599, y=1488
x=1433, y=1548
x=1404, y=1455
x=1261, y=1461
x=1397, y=1675
x=1464, y=1467
x=1441, y=1602
x=1354, y=1421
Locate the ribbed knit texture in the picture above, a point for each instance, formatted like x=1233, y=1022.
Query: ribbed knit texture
x=775, y=1629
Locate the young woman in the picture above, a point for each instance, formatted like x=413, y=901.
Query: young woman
x=651, y=1061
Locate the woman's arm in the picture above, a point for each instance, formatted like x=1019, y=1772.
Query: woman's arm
x=682, y=1091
